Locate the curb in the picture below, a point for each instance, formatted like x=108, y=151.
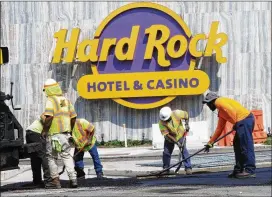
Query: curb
x=158, y=152
x=131, y=173
x=5, y=175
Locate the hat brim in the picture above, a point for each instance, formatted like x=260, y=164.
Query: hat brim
x=208, y=101
x=166, y=118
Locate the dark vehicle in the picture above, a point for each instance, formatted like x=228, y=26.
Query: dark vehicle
x=12, y=147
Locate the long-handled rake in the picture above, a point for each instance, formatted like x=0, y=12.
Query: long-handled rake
x=166, y=169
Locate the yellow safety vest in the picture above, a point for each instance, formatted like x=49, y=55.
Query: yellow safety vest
x=36, y=126
x=175, y=126
x=83, y=135
x=62, y=111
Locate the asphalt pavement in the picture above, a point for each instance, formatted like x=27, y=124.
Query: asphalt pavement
x=206, y=184
x=121, y=166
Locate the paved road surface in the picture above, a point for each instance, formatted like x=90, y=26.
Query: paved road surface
x=206, y=184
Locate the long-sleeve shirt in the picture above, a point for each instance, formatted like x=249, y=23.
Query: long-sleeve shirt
x=228, y=110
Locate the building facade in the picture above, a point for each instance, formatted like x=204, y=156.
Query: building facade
x=28, y=28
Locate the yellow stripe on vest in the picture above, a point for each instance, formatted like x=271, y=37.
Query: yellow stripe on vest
x=82, y=132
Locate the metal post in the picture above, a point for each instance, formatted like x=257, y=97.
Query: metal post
x=125, y=134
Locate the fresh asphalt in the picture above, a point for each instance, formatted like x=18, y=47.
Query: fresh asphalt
x=203, y=184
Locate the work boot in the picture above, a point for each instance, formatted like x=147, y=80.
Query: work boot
x=53, y=184
x=80, y=173
x=244, y=175
x=188, y=171
x=100, y=175
x=232, y=174
x=73, y=183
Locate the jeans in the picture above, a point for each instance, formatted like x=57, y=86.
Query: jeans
x=95, y=156
x=168, y=150
x=38, y=159
x=244, y=146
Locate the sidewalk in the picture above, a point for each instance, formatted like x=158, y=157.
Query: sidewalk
x=139, y=152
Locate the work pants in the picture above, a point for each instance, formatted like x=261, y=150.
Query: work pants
x=65, y=155
x=95, y=156
x=244, y=146
x=168, y=150
x=38, y=159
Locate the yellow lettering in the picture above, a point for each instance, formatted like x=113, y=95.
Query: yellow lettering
x=61, y=44
x=193, y=43
x=107, y=43
x=212, y=45
x=131, y=42
x=171, y=46
x=92, y=56
x=152, y=42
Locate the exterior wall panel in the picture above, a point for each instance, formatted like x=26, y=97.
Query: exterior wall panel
x=27, y=28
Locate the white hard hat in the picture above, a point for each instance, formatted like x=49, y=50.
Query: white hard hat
x=50, y=82
x=165, y=113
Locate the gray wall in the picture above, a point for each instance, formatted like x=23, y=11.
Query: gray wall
x=27, y=28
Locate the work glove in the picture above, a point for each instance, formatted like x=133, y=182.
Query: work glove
x=207, y=147
x=56, y=145
x=187, y=128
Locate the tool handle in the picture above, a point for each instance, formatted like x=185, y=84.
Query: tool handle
x=181, y=151
x=218, y=139
x=166, y=169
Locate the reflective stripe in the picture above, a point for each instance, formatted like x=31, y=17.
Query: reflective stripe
x=80, y=128
x=49, y=112
x=62, y=114
x=60, y=125
x=56, y=108
x=50, y=85
x=82, y=132
x=90, y=127
x=177, y=118
x=56, y=103
x=83, y=135
x=61, y=120
x=90, y=138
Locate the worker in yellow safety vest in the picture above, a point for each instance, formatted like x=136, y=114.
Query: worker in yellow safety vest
x=38, y=158
x=84, y=139
x=59, y=122
x=171, y=127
